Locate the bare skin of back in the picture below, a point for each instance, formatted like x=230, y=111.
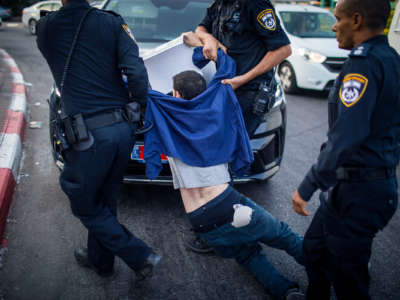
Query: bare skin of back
x=196, y=197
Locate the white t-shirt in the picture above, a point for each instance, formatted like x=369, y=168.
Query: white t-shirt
x=185, y=176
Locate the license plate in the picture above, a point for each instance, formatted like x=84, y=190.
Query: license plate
x=138, y=155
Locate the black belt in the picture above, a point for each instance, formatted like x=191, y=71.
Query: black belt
x=105, y=119
x=364, y=174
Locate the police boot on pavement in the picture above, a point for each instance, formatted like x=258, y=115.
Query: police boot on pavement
x=88, y=50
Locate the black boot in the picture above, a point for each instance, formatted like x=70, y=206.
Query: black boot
x=147, y=270
x=81, y=256
x=198, y=245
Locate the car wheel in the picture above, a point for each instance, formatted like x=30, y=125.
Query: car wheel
x=32, y=27
x=288, y=78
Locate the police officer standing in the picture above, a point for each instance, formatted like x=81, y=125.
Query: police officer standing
x=249, y=31
x=357, y=165
x=92, y=90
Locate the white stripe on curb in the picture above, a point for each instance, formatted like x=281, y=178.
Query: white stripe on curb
x=11, y=143
x=18, y=103
x=9, y=61
x=10, y=152
x=17, y=78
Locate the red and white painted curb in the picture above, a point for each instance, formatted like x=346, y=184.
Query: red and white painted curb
x=11, y=136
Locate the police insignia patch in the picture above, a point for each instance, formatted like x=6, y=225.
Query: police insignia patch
x=267, y=19
x=352, y=89
x=128, y=31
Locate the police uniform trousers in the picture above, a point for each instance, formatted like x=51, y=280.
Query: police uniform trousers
x=337, y=245
x=92, y=180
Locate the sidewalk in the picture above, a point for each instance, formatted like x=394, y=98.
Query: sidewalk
x=12, y=125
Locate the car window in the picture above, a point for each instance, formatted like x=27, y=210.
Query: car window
x=154, y=21
x=308, y=24
x=46, y=6
x=55, y=6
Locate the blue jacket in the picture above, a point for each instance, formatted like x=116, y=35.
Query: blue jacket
x=205, y=131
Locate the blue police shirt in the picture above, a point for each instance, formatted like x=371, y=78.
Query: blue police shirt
x=105, y=48
x=364, y=116
x=205, y=131
x=249, y=29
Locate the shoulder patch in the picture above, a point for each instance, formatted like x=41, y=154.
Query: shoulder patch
x=361, y=50
x=267, y=19
x=352, y=89
x=128, y=31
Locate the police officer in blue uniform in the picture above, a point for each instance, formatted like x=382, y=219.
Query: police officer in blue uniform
x=356, y=168
x=249, y=31
x=94, y=88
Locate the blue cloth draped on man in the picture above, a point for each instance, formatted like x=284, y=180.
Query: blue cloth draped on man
x=179, y=125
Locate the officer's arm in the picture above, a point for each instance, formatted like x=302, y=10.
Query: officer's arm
x=269, y=61
x=277, y=45
x=40, y=34
x=132, y=65
x=357, y=95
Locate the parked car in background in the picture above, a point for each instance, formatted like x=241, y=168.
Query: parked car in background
x=5, y=13
x=31, y=14
x=394, y=32
x=153, y=23
x=97, y=3
x=316, y=57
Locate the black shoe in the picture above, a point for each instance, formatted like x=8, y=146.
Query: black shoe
x=294, y=294
x=147, y=270
x=198, y=245
x=81, y=256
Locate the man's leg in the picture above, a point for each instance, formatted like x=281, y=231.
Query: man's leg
x=82, y=178
x=274, y=233
x=364, y=209
x=100, y=255
x=316, y=260
x=253, y=258
x=239, y=240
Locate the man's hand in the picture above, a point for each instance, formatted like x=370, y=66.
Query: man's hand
x=211, y=46
x=299, y=205
x=191, y=39
x=235, y=82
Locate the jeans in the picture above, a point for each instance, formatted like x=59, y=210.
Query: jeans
x=243, y=244
x=337, y=245
x=92, y=179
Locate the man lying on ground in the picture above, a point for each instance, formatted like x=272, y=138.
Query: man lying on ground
x=228, y=221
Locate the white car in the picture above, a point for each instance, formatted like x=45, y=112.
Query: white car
x=316, y=58
x=31, y=14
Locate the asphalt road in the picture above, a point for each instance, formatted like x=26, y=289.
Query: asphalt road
x=42, y=233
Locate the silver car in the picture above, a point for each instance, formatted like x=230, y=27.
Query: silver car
x=31, y=14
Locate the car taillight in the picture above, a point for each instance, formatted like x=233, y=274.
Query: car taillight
x=23, y=11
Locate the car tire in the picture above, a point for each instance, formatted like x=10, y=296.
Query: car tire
x=288, y=78
x=32, y=27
